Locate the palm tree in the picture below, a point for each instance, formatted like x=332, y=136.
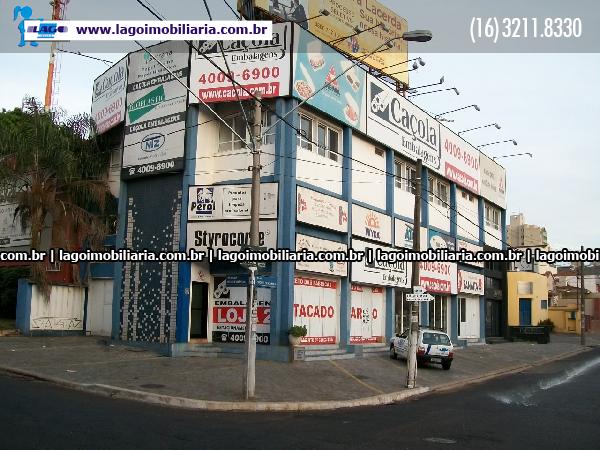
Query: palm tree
x=59, y=170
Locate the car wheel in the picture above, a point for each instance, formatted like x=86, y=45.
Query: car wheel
x=446, y=365
x=393, y=354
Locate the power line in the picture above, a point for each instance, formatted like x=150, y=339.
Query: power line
x=105, y=61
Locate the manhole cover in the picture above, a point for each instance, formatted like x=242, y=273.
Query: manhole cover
x=152, y=386
x=439, y=440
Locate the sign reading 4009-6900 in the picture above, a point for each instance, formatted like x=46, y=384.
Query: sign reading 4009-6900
x=156, y=105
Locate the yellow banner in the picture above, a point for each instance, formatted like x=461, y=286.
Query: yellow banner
x=343, y=17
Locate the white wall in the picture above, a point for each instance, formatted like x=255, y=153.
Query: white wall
x=99, y=308
x=62, y=311
x=318, y=170
x=439, y=216
x=404, y=203
x=467, y=227
x=368, y=173
x=493, y=237
x=213, y=166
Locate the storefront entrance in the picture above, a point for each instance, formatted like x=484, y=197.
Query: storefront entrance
x=199, y=311
x=493, y=309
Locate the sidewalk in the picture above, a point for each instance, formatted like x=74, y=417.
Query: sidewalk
x=91, y=364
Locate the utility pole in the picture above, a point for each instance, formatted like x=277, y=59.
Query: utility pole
x=411, y=377
x=582, y=306
x=251, y=318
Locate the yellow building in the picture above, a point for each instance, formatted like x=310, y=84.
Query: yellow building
x=527, y=298
x=566, y=319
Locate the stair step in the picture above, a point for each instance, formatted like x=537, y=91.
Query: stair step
x=329, y=357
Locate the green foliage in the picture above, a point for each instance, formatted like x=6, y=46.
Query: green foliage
x=54, y=168
x=298, y=331
x=9, y=277
x=546, y=323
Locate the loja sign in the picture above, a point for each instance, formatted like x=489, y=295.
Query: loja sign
x=321, y=210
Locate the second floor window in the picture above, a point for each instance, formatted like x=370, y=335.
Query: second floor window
x=405, y=176
x=315, y=135
x=228, y=141
x=492, y=217
x=438, y=192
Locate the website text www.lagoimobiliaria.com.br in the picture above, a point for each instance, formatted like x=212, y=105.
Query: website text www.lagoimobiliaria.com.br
x=374, y=257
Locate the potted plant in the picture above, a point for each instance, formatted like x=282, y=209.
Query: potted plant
x=547, y=323
x=296, y=333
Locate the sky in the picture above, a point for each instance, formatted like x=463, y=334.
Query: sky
x=548, y=102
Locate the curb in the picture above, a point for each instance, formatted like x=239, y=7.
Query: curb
x=211, y=405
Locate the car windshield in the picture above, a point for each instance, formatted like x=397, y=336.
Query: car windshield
x=435, y=339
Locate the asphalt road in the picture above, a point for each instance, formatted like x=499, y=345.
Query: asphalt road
x=553, y=406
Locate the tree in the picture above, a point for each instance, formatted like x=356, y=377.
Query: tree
x=58, y=168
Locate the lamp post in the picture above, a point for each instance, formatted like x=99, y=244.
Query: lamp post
x=433, y=92
x=516, y=154
x=479, y=128
x=477, y=108
x=497, y=142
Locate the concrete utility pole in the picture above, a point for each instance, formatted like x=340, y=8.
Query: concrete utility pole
x=411, y=377
x=582, y=306
x=251, y=318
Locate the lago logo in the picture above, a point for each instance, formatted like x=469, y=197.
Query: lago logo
x=25, y=12
x=147, y=103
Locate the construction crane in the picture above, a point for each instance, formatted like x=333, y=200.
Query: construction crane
x=52, y=81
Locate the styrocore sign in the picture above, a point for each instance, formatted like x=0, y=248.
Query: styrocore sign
x=229, y=236
x=390, y=116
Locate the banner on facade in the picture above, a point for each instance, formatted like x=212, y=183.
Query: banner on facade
x=321, y=210
x=108, y=97
x=315, y=245
x=493, y=181
x=379, y=273
x=257, y=66
x=438, y=277
x=460, y=161
x=156, y=110
x=229, y=236
x=316, y=306
x=371, y=225
x=470, y=283
x=219, y=202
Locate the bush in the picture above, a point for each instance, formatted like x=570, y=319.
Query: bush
x=546, y=323
x=298, y=331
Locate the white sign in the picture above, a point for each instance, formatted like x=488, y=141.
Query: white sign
x=108, y=98
x=424, y=297
x=397, y=123
x=367, y=315
x=316, y=245
x=403, y=235
x=371, y=225
x=470, y=283
x=493, y=181
x=379, y=273
x=321, y=210
x=316, y=306
x=438, y=277
x=156, y=107
x=260, y=66
x=464, y=245
x=11, y=233
x=460, y=161
x=233, y=201
x=229, y=236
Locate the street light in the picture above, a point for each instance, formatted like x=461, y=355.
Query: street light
x=510, y=156
x=322, y=12
x=417, y=36
x=433, y=92
x=458, y=109
x=414, y=89
x=357, y=31
x=497, y=142
x=478, y=128
x=418, y=59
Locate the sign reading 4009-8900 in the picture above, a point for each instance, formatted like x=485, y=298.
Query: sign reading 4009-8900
x=156, y=105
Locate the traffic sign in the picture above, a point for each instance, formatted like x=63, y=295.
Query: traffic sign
x=419, y=290
x=424, y=297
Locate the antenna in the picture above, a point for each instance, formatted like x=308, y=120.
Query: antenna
x=52, y=80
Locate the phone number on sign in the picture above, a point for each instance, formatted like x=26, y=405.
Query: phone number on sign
x=149, y=168
x=494, y=28
x=263, y=73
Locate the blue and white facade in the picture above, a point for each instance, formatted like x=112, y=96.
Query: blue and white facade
x=345, y=182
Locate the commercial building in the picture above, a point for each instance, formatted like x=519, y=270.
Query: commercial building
x=527, y=298
x=337, y=173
